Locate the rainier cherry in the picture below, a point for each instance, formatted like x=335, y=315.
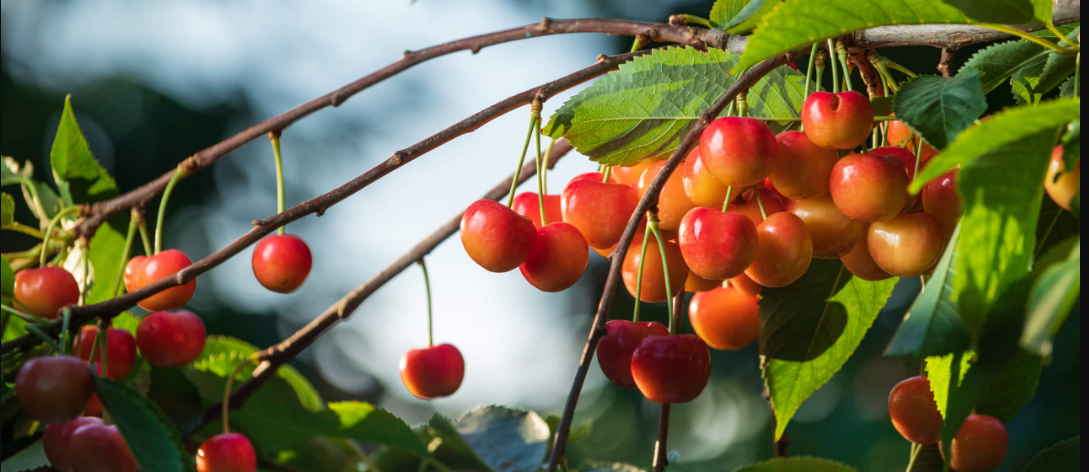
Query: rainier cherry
x=833, y=233
x=737, y=150
x=1062, y=189
x=144, y=270
x=860, y=263
x=228, y=452
x=905, y=156
x=671, y=369
x=653, y=289
x=745, y=285
x=615, y=349
x=899, y=133
x=628, y=175
x=54, y=389
x=869, y=187
x=98, y=448
x=784, y=252
x=46, y=290
x=593, y=176
x=57, y=438
x=120, y=349
x=702, y=188
x=941, y=199
x=717, y=245
x=673, y=204
x=600, y=211
x=433, y=372
x=696, y=284
x=751, y=207
x=979, y=446
x=558, y=258
x=908, y=245
x=281, y=262
x=725, y=318
x=169, y=340
x=801, y=169
x=914, y=412
x=837, y=120
x=528, y=205
x=495, y=237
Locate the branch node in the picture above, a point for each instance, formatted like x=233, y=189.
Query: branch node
x=546, y=23
x=397, y=159
x=678, y=20
x=408, y=53
x=257, y=223
x=275, y=134
x=601, y=58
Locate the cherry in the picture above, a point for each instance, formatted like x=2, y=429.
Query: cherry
x=837, y=120
x=701, y=188
x=941, y=199
x=495, y=237
x=281, y=262
x=833, y=233
x=914, y=412
x=717, y=245
x=57, y=438
x=869, y=187
x=1062, y=188
x=120, y=353
x=170, y=339
x=908, y=245
x=745, y=285
x=905, y=156
x=784, y=251
x=99, y=448
x=673, y=204
x=801, y=169
x=654, y=290
x=737, y=150
x=600, y=211
x=860, y=263
x=725, y=318
x=695, y=283
x=558, y=259
x=145, y=270
x=671, y=369
x=592, y=176
x=628, y=175
x=94, y=407
x=528, y=205
x=751, y=207
x=46, y=291
x=54, y=389
x=979, y=446
x=615, y=349
x=899, y=133
x=228, y=452
x=433, y=372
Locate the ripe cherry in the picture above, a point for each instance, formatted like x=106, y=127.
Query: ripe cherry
x=120, y=349
x=615, y=349
x=495, y=237
x=941, y=199
x=801, y=169
x=433, y=372
x=98, y=448
x=57, y=439
x=702, y=188
x=600, y=211
x=784, y=251
x=908, y=245
x=717, y=245
x=281, y=262
x=837, y=120
x=833, y=233
x=144, y=270
x=1062, y=188
x=869, y=187
x=905, y=156
x=54, y=389
x=745, y=285
x=558, y=259
x=860, y=263
x=751, y=207
x=696, y=284
x=673, y=204
x=528, y=205
x=671, y=369
x=725, y=318
x=591, y=176
x=899, y=133
x=654, y=290
x=228, y=452
x=170, y=339
x=628, y=175
x=979, y=446
x=914, y=412
x=46, y=291
x=737, y=150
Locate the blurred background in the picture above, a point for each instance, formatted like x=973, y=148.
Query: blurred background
x=154, y=82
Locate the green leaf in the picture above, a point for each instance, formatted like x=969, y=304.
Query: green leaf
x=504, y=439
x=645, y=108
x=1051, y=301
x=725, y=11
x=797, y=24
x=1031, y=83
x=30, y=458
x=105, y=253
x=1062, y=457
x=1072, y=145
x=1067, y=89
x=938, y=109
x=999, y=62
x=74, y=167
x=946, y=374
x=795, y=464
x=453, y=450
x=1013, y=388
x=882, y=106
x=1009, y=12
x=932, y=327
x=367, y=423
x=7, y=277
x=805, y=342
x=749, y=17
x=150, y=435
x=7, y=209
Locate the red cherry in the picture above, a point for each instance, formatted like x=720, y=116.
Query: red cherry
x=701, y=188
x=433, y=372
x=495, y=237
x=229, y=452
x=145, y=270
x=833, y=233
x=528, y=205
x=751, y=207
x=914, y=412
x=281, y=262
x=46, y=291
x=94, y=407
x=869, y=187
x=801, y=169
x=671, y=369
x=1062, y=189
x=725, y=318
x=979, y=446
x=941, y=199
x=600, y=211
x=784, y=252
x=170, y=339
x=98, y=448
x=696, y=284
x=860, y=263
x=628, y=175
x=745, y=285
x=837, y=120
x=908, y=245
x=899, y=133
x=120, y=350
x=737, y=150
x=592, y=176
x=615, y=349
x=558, y=259
x=905, y=156
x=54, y=389
x=673, y=204
x=57, y=438
x=654, y=290
x=717, y=245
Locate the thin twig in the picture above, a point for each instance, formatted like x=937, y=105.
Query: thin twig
x=661, y=454
x=946, y=64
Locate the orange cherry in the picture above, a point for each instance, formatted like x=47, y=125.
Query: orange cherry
x=695, y=283
x=899, y=133
x=869, y=187
x=908, y=245
x=860, y=263
x=979, y=446
x=834, y=235
x=784, y=252
x=941, y=199
x=600, y=211
x=558, y=258
x=744, y=284
x=801, y=169
x=654, y=290
x=673, y=203
x=702, y=188
x=629, y=175
x=914, y=412
x=737, y=150
x=528, y=205
x=725, y=318
x=1062, y=188
x=751, y=207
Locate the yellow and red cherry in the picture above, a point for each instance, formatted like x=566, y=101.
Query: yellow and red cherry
x=717, y=245
x=170, y=339
x=99, y=448
x=783, y=253
x=592, y=176
x=837, y=120
x=528, y=205
x=701, y=188
x=860, y=263
x=751, y=207
x=673, y=203
x=745, y=285
x=120, y=349
x=905, y=156
x=282, y=262
x=496, y=237
x=671, y=369
x=908, y=245
x=558, y=258
x=630, y=174
x=737, y=151
x=869, y=187
x=725, y=318
x=801, y=169
x=53, y=389
x=899, y=133
x=600, y=211
x=46, y=291
x=654, y=289
x=57, y=439
x=980, y=445
x=941, y=199
x=696, y=284
x=1062, y=188
x=228, y=452
x=615, y=349
x=914, y=412
x=433, y=372
x=142, y=271
x=834, y=235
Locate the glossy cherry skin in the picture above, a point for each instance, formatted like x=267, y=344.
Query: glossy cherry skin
x=860, y=263
x=528, y=205
x=725, y=318
x=784, y=252
x=899, y=133
x=56, y=440
x=837, y=120
x=941, y=199
x=46, y=291
x=702, y=188
x=905, y=156
x=671, y=369
x=144, y=270
x=696, y=284
x=979, y=446
x=558, y=258
x=745, y=285
x=673, y=203
x=600, y=211
x=717, y=245
x=737, y=150
x=495, y=237
x=120, y=350
x=654, y=290
x=592, y=176
x=433, y=372
x=834, y=235
x=801, y=169
x=751, y=207
x=1062, y=189
x=229, y=452
x=914, y=412
x=170, y=339
x=629, y=175
x=908, y=245
x=282, y=262
x=54, y=389
x=615, y=349
x=869, y=187
x=98, y=448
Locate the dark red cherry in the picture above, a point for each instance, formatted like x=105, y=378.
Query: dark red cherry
x=229, y=452
x=671, y=369
x=170, y=339
x=53, y=389
x=615, y=349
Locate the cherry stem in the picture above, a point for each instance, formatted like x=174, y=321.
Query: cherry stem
x=178, y=175
x=760, y=203
x=729, y=195
x=275, y=138
x=427, y=286
x=891, y=64
x=608, y=174
x=38, y=333
x=835, y=70
x=1077, y=77
x=661, y=456
x=1031, y=37
x=84, y=262
x=819, y=63
x=66, y=322
x=49, y=231
x=533, y=117
x=103, y=345
x=696, y=20
x=730, y=109
x=637, y=44
x=809, y=70
x=130, y=237
x=742, y=100
x=547, y=156
x=915, y=450
x=918, y=157
x=540, y=177
x=841, y=52
x=142, y=226
x=639, y=277
x=29, y=318
x=227, y=393
x=653, y=225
